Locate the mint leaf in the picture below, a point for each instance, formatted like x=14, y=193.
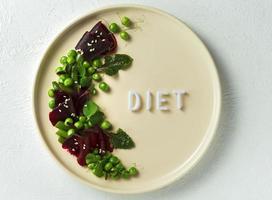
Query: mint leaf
x=81, y=70
x=96, y=118
x=90, y=108
x=121, y=140
x=115, y=62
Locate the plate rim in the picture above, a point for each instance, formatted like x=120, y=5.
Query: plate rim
x=195, y=157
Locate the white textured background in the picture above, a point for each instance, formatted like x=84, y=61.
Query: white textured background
x=239, y=163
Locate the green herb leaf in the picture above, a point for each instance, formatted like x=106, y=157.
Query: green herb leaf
x=81, y=70
x=90, y=108
x=121, y=140
x=97, y=118
x=115, y=62
x=85, y=81
x=74, y=73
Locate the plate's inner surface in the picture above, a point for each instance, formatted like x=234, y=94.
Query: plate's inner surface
x=167, y=56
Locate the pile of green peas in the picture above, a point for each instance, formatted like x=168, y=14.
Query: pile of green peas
x=70, y=126
x=109, y=166
x=68, y=82
x=115, y=28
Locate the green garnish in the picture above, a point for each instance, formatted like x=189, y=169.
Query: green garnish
x=97, y=118
x=116, y=62
x=81, y=70
x=108, y=166
x=77, y=76
x=121, y=140
x=90, y=108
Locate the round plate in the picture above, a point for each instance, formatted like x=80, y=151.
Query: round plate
x=167, y=56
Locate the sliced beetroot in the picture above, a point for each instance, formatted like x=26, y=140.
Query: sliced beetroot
x=68, y=105
x=85, y=148
x=73, y=144
x=60, y=97
x=81, y=145
x=62, y=111
x=96, y=42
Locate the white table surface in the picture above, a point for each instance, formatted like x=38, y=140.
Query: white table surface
x=239, y=162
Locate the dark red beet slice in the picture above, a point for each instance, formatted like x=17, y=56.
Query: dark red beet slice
x=85, y=148
x=81, y=145
x=96, y=42
x=62, y=111
x=60, y=97
x=66, y=105
x=73, y=144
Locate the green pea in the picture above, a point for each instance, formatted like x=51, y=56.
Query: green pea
x=61, y=80
x=98, y=171
x=92, y=158
x=68, y=82
x=105, y=125
x=96, y=77
x=86, y=64
x=82, y=119
x=79, y=58
x=124, y=35
x=51, y=93
x=63, y=76
x=97, y=63
x=71, y=132
x=108, y=166
x=61, y=139
x=126, y=21
x=114, y=160
x=78, y=124
x=120, y=167
x=133, y=171
x=94, y=91
x=52, y=103
x=68, y=121
x=71, y=60
x=125, y=174
x=59, y=70
x=63, y=60
x=91, y=165
x=104, y=86
x=72, y=53
x=115, y=175
x=114, y=28
x=91, y=70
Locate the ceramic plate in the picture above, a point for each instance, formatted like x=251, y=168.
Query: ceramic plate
x=167, y=56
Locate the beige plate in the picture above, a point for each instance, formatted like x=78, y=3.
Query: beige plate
x=167, y=55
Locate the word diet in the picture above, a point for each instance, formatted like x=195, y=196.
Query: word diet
x=135, y=100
